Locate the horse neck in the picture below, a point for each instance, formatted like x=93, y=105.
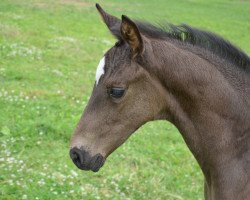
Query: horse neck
x=206, y=109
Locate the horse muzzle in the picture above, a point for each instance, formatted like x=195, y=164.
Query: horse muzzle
x=84, y=161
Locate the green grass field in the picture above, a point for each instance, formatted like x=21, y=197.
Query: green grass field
x=49, y=50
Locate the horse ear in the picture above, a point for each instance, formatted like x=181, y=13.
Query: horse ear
x=131, y=35
x=112, y=22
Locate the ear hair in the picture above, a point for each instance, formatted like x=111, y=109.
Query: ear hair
x=124, y=30
x=112, y=22
x=131, y=34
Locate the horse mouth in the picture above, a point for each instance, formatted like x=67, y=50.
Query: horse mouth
x=84, y=161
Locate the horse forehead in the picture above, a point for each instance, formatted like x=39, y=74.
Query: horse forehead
x=100, y=70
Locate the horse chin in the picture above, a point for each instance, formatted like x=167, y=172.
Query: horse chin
x=93, y=169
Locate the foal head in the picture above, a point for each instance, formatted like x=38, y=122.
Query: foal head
x=124, y=97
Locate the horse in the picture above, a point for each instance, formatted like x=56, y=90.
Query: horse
x=192, y=78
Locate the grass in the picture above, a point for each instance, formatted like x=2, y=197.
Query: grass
x=49, y=50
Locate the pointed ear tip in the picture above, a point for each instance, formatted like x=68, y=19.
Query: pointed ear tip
x=97, y=6
x=124, y=17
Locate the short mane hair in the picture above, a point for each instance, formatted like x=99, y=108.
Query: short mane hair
x=203, y=39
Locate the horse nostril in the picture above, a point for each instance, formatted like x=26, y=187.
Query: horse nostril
x=84, y=161
x=76, y=156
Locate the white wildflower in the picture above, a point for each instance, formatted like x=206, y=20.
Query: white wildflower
x=75, y=174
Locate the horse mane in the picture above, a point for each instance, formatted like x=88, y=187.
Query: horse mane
x=196, y=37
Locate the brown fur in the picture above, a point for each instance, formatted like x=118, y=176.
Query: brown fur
x=206, y=97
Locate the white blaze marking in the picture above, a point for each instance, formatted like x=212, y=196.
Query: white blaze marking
x=100, y=70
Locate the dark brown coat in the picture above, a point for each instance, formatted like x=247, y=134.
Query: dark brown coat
x=192, y=78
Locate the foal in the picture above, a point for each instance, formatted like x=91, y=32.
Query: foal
x=194, y=79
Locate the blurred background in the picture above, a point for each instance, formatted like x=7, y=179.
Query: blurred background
x=49, y=50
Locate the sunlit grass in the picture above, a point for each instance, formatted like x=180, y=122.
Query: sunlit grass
x=49, y=51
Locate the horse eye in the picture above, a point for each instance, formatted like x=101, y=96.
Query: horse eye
x=116, y=92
